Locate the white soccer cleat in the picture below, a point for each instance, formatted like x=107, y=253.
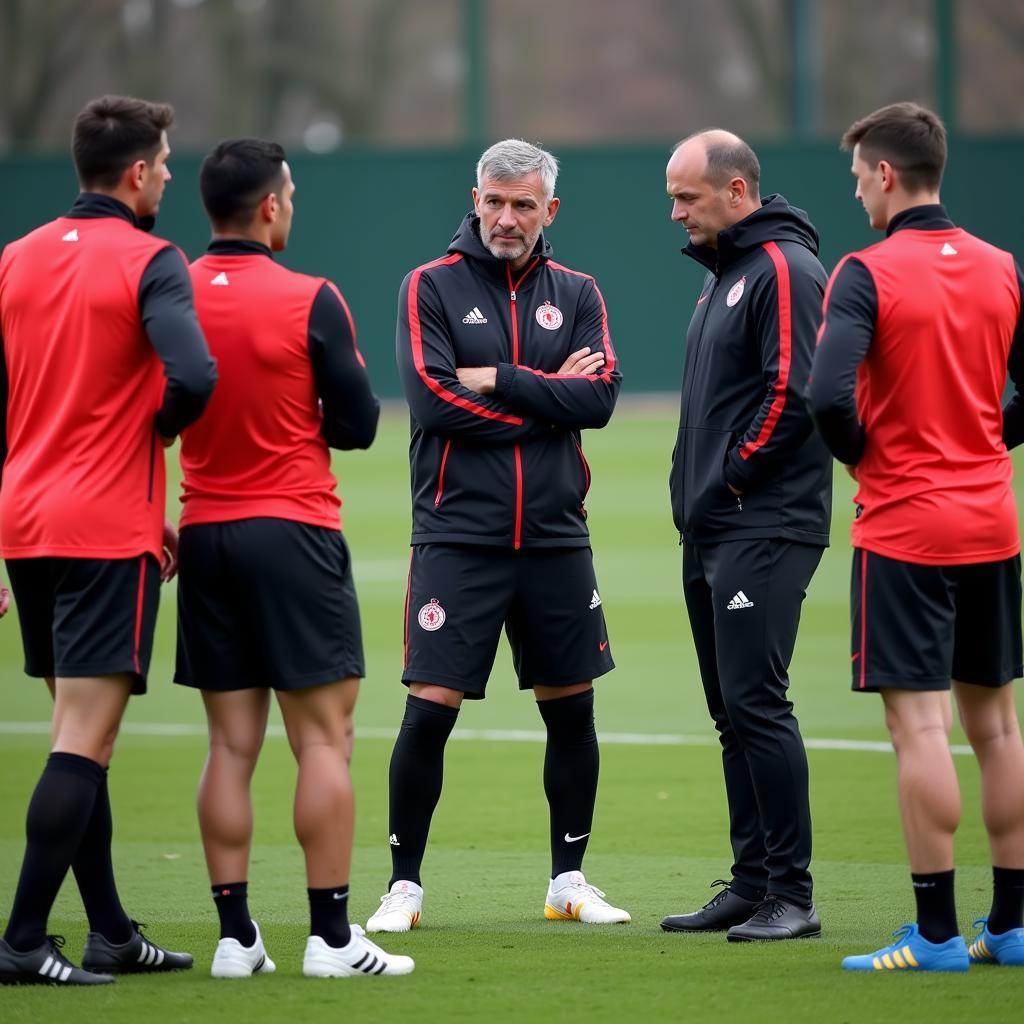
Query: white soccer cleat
x=359, y=958
x=233, y=960
x=400, y=909
x=571, y=898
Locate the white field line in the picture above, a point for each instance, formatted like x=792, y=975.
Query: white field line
x=638, y=739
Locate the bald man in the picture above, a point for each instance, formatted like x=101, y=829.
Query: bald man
x=751, y=497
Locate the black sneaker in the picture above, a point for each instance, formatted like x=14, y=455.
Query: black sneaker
x=725, y=910
x=135, y=956
x=777, y=919
x=46, y=965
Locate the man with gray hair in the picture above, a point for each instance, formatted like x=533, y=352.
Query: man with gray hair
x=505, y=358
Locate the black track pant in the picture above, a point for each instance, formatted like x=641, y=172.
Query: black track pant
x=743, y=598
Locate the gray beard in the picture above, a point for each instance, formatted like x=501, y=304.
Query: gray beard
x=505, y=254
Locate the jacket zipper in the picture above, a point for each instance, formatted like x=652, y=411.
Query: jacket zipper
x=586, y=474
x=440, y=473
x=517, y=452
x=696, y=352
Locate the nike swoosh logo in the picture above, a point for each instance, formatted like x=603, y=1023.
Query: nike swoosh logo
x=855, y=656
x=575, y=839
x=602, y=645
x=341, y=895
x=703, y=298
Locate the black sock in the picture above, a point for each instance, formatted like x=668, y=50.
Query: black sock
x=1007, y=910
x=571, y=763
x=94, y=873
x=58, y=815
x=232, y=902
x=936, y=905
x=328, y=915
x=417, y=769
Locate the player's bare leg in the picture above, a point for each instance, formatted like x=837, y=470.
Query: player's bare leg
x=989, y=718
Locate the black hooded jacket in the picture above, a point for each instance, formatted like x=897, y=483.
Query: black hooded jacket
x=505, y=469
x=748, y=355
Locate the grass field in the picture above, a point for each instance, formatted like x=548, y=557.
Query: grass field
x=484, y=950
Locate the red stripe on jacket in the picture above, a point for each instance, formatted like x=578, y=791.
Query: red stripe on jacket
x=416, y=338
x=609, y=356
x=785, y=302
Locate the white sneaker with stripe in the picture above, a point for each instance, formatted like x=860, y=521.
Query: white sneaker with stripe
x=360, y=957
x=233, y=960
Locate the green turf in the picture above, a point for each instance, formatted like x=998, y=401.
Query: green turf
x=660, y=834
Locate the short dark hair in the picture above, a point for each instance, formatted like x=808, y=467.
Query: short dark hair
x=237, y=175
x=908, y=136
x=728, y=160
x=111, y=133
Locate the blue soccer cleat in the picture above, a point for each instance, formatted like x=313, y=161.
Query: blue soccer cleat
x=912, y=952
x=1006, y=949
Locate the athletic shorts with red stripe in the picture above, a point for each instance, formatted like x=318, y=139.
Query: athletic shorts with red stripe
x=460, y=596
x=87, y=617
x=916, y=627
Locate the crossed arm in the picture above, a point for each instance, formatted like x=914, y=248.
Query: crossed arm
x=482, y=379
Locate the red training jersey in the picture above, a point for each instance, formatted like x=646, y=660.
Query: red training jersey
x=935, y=476
x=84, y=473
x=258, y=450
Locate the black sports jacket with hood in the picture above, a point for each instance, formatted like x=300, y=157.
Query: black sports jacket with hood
x=743, y=420
x=505, y=469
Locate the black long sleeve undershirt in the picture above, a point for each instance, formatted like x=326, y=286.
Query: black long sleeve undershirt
x=851, y=313
x=168, y=314
x=350, y=408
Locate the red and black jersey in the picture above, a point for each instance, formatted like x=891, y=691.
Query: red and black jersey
x=94, y=313
x=505, y=469
x=742, y=419
x=292, y=383
x=907, y=384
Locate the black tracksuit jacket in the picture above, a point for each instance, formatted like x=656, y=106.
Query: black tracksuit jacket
x=743, y=420
x=505, y=469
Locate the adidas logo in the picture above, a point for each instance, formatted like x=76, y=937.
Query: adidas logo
x=595, y=601
x=221, y=278
x=71, y=236
x=947, y=250
x=474, y=316
x=393, y=839
x=739, y=601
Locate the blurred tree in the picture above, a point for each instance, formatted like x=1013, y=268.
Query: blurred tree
x=42, y=44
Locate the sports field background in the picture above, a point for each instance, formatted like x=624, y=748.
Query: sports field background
x=484, y=950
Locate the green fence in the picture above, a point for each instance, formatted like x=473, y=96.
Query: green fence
x=366, y=218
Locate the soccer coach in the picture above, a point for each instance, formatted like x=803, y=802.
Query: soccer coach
x=751, y=497
x=906, y=389
x=505, y=357
x=104, y=363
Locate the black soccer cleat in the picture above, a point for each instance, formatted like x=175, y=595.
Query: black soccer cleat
x=778, y=919
x=46, y=965
x=721, y=913
x=136, y=956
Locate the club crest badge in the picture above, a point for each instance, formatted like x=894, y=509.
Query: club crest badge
x=431, y=616
x=549, y=317
x=735, y=292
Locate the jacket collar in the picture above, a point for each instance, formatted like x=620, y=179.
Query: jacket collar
x=92, y=205
x=237, y=247
x=927, y=217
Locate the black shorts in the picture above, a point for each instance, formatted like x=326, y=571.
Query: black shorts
x=265, y=602
x=84, y=617
x=915, y=627
x=459, y=597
